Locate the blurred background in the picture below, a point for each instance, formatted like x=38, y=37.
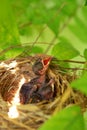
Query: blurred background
x=54, y=27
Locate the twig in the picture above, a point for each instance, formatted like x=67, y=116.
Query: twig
x=74, y=68
x=72, y=61
x=30, y=49
x=51, y=44
x=9, y=48
x=20, y=46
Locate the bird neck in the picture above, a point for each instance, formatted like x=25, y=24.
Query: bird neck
x=42, y=78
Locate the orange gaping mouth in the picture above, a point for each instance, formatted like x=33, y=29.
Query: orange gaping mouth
x=46, y=61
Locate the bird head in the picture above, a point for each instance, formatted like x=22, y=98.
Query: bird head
x=41, y=64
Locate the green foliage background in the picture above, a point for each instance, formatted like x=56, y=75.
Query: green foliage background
x=54, y=27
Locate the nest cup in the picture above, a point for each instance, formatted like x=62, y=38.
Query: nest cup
x=32, y=116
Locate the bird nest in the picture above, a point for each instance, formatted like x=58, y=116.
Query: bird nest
x=13, y=74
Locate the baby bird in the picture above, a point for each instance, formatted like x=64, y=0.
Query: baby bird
x=38, y=88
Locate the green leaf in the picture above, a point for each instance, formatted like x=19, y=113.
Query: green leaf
x=81, y=83
x=53, y=13
x=8, y=29
x=79, y=29
x=28, y=50
x=9, y=35
x=56, y=17
x=37, y=49
x=68, y=119
x=79, y=25
x=13, y=53
x=34, y=49
x=85, y=2
x=64, y=50
x=85, y=54
x=52, y=21
x=85, y=119
x=84, y=13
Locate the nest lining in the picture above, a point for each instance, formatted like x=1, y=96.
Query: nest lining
x=32, y=116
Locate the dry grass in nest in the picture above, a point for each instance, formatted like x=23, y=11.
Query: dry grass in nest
x=32, y=116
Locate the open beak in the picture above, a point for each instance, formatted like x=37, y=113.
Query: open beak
x=46, y=61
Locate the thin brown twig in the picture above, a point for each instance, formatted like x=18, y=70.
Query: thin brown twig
x=9, y=48
x=20, y=46
x=74, y=68
x=51, y=44
x=30, y=49
x=72, y=61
